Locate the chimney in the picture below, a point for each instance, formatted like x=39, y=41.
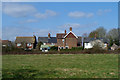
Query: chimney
x=49, y=35
x=70, y=28
x=65, y=32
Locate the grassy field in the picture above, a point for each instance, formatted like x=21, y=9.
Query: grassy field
x=60, y=66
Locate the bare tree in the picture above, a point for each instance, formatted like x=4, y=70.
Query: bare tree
x=99, y=32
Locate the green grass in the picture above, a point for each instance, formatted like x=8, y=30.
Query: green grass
x=60, y=66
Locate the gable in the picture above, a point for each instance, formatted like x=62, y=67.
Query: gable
x=70, y=35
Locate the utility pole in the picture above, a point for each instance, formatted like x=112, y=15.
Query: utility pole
x=119, y=22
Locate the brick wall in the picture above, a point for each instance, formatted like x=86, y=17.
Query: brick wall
x=71, y=42
x=59, y=42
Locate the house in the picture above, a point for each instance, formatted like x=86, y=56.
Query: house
x=26, y=42
x=62, y=41
x=68, y=40
x=114, y=47
x=6, y=43
x=90, y=42
x=47, y=42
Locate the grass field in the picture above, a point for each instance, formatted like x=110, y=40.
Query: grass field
x=60, y=66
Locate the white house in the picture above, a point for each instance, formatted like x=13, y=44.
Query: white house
x=90, y=42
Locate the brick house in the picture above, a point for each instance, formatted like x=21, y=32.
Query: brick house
x=6, y=43
x=26, y=42
x=62, y=40
x=68, y=40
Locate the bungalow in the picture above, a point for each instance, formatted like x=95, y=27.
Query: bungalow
x=26, y=42
x=90, y=42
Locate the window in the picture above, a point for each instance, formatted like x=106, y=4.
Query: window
x=18, y=44
x=86, y=44
x=44, y=43
x=66, y=47
x=29, y=44
x=63, y=40
x=52, y=43
x=61, y=47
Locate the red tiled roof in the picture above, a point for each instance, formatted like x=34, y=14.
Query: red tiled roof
x=25, y=39
x=5, y=41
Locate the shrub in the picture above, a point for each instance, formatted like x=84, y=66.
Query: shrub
x=96, y=49
x=73, y=49
x=53, y=48
x=77, y=48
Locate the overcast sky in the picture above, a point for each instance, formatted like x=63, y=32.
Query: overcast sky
x=24, y=18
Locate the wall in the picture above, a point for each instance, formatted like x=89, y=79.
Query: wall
x=71, y=41
x=87, y=45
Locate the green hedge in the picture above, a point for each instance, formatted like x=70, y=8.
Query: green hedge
x=73, y=49
x=54, y=48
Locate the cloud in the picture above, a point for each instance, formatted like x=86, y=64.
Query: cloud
x=77, y=25
x=24, y=10
x=78, y=14
x=47, y=13
x=28, y=21
x=31, y=20
x=101, y=11
x=10, y=34
x=18, y=10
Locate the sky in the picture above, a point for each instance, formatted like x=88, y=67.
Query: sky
x=41, y=18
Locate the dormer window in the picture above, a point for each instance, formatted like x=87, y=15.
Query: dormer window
x=62, y=40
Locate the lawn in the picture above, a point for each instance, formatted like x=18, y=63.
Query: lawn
x=60, y=66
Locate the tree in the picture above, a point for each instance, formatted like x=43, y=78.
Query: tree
x=38, y=45
x=99, y=33
x=113, y=33
x=93, y=33
x=113, y=36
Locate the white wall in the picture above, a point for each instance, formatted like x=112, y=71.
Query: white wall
x=87, y=45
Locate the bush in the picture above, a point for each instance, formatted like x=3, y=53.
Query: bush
x=53, y=48
x=77, y=48
x=73, y=49
x=96, y=49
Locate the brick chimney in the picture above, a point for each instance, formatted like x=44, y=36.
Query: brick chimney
x=70, y=28
x=65, y=32
x=49, y=35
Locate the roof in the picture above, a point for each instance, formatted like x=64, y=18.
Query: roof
x=52, y=40
x=114, y=45
x=47, y=40
x=25, y=39
x=6, y=42
x=69, y=33
x=86, y=40
x=43, y=39
x=60, y=35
